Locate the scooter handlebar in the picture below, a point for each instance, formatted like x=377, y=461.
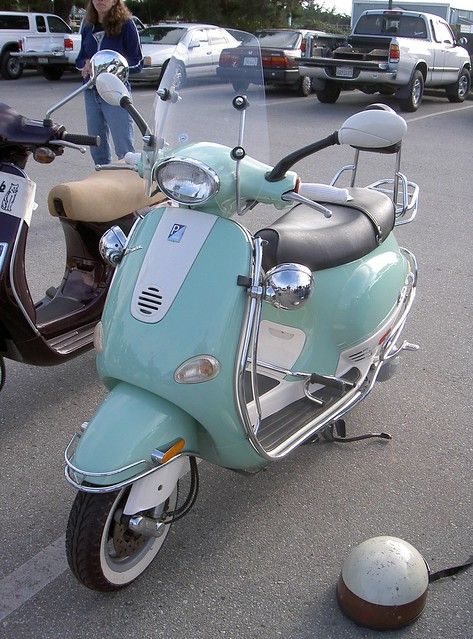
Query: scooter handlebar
x=76, y=138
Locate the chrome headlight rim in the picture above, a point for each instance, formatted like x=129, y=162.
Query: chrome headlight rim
x=214, y=179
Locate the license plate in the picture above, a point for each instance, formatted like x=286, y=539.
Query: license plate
x=344, y=72
x=42, y=60
x=250, y=62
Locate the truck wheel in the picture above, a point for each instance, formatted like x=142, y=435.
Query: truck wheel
x=304, y=86
x=328, y=95
x=457, y=92
x=10, y=67
x=53, y=72
x=416, y=92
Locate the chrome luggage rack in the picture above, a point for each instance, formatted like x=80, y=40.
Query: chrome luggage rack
x=401, y=191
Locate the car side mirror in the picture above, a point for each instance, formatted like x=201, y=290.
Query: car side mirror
x=462, y=42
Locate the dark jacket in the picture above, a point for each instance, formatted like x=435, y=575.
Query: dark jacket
x=127, y=43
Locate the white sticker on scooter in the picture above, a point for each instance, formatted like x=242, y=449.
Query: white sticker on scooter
x=176, y=243
x=17, y=196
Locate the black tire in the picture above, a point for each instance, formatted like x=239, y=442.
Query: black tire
x=328, y=95
x=304, y=86
x=53, y=72
x=458, y=92
x=10, y=67
x=240, y=86
x=416, y=93
x=2, y=372
x=102, y=553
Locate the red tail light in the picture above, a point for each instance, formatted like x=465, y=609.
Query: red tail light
x=394, y=53
x=20, y=45
x=68, y=44
x=228, y=59
x=278, y=61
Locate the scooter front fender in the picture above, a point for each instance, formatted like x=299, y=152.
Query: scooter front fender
x=119, y=439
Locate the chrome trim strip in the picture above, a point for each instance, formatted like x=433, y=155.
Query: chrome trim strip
x=70, y=470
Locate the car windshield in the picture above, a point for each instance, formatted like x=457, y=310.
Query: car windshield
x=162, y=35
x=279, y=39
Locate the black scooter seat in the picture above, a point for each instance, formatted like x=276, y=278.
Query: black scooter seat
x=305, y=236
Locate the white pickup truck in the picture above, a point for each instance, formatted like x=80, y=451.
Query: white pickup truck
x=393, y=52
x=41, y=40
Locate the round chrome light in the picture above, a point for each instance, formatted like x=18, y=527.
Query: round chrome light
x=112, y=245
x=187, y=181
x=288, y=286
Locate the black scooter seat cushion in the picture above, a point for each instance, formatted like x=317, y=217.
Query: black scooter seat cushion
x=305, y=236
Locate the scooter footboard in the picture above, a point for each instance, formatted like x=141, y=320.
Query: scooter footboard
x=125, y=439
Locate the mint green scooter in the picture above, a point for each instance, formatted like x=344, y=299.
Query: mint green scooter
x=223, y=345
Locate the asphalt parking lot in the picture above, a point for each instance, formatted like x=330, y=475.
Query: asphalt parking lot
x=259, y=557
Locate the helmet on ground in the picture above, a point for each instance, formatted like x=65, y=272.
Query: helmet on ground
x=383, y=583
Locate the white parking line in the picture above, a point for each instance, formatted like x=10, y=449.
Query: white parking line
x=34, y=575
x=433, y=115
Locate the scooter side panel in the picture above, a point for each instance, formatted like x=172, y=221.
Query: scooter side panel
x=349, y=303
x=205, y=317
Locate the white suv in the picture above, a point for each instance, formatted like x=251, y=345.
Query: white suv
x=197, y=46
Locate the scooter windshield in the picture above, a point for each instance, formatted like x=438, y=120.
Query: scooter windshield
x=222, y=102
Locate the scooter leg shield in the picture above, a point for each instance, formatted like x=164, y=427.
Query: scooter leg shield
x=129, y=425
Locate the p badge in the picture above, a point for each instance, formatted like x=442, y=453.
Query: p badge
x=177, y=231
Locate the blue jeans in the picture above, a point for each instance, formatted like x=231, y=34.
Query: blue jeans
x=104, y=120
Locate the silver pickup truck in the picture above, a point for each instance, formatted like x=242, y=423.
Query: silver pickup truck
x=393, y=52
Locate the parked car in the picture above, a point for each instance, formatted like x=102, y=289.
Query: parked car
x=281, y=51
x=43, y=31
x=197, y=46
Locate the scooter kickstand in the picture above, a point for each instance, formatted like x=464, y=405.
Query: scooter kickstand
x=340, y=428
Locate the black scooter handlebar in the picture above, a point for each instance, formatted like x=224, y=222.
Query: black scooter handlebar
x=77, y=138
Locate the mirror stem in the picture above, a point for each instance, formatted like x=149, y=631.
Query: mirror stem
x=279, y=171
x=140, y=122
x=47, y=120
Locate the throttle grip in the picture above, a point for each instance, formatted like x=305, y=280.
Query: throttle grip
x=324, y=193
x=76, y=138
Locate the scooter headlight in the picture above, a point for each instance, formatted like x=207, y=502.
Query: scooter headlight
x=187, y=181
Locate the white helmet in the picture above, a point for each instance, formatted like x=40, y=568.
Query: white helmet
x=383, y=583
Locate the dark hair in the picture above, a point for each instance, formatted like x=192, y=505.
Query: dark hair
x=114, y=20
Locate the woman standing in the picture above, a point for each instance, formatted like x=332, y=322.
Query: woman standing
x=108, y=25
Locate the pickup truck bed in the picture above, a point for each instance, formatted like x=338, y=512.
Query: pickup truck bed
x=393, y=63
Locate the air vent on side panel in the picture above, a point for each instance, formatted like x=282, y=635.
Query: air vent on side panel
x=360, y=355
x=149, y=300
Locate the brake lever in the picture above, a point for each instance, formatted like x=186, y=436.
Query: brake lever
x=71, y=145
x=296, y=197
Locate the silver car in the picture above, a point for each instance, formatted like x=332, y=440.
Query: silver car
x=197, y=46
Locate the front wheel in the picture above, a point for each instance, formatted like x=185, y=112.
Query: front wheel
x=328, y=95
x=458, y=92
x=10, y=67
x=416, y=93
x=101, y=551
